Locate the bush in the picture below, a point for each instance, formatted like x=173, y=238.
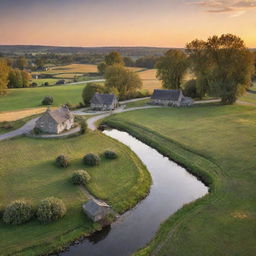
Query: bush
x=18, y=212
x=91, y=159
x=89, y=90
x=34, y=84
x=59, y=82
x=62, y=161
x=46, y=84
x=50, y=209
x=48, y=100
x=109, y=154
x=84, y=127
x=80, y=177
x=190, y=89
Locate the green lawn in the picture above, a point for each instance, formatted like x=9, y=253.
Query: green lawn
x=218, y=144
x=28, y=171
x=31, y=97
x=139, y=103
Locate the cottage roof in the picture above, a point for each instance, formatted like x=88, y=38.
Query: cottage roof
x=94, y=207
x=60, y=115
x=106, y=99
x=172, y=95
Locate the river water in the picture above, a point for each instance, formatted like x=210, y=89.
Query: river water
x=172, y=187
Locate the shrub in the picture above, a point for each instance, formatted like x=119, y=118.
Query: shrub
x=91, y=159
x=59, y=82
x=37, y=131
x=84, y=127
x=89, y=90
x=62, y=161
x=190, y=89
x=50, y=209
x=18, y=212
x=34, y=84
x=109, y=154
x=80, y=177
x=48, y=100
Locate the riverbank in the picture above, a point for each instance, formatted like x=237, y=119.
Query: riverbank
x=122, y=183
x=204, y=139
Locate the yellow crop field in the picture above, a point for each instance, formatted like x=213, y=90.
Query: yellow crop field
x=148, y=74
x=74, y=68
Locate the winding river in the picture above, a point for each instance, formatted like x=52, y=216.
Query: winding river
x=172, y=187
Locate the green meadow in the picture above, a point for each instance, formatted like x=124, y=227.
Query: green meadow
x=217, y=144
x=32, y=175
x=17, y=99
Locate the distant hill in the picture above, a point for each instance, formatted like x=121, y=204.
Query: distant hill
x=125, y=51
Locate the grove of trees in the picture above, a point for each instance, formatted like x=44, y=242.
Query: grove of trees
x=223, y=66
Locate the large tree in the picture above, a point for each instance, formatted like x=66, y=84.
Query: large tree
x=113, y=58
x=4, y=71
x=89, y=90
x=21, y=62
x=171, y=68
x=18, y=78
x=121, y=80
x=223, y=66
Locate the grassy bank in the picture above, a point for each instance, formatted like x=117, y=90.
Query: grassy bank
x=34, y=176
x=217, y=144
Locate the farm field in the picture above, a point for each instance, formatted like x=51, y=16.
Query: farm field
x=32, y=97
x=221, y=223
x=51, y=81
x=33, y=176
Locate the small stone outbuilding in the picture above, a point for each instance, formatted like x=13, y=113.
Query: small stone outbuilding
x=104, y=102
x=55, y=121
x=170, y=98
x=96, y=210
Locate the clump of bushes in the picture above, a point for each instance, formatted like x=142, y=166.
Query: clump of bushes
x=62, y=161
x=91, y=159
x=80, y=177
x=110, y=154
x=190, y=89
x=50, y=209
x=48, y=100
x=83, y=127
x=18, y=212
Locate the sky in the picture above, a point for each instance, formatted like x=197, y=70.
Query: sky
x=161, y=23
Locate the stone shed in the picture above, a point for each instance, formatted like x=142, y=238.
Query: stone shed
x=96, y=210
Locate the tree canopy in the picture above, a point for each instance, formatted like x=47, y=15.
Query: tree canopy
x=121, y=80
x=113, y=58
x=89, y=90
x=4, y=71
x=223, y=66
x=171, y=68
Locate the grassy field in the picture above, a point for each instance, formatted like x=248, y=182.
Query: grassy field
x=33, y=176
x=217, y=144
x=250, y=97
x=32, y=97
x=40, y=82
x=138, y=103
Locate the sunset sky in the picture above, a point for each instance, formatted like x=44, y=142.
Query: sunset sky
x=167, y=23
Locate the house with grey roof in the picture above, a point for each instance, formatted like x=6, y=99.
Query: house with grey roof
x=170, y=98
x=55, y=121
x=104, y=102
x=96, y=210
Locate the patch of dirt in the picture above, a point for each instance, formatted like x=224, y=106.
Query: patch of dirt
x=239, y=215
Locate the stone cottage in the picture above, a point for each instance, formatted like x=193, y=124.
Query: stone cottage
x=96, y=210
x=170, y=98
x=55, y=121
x=104, y=102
